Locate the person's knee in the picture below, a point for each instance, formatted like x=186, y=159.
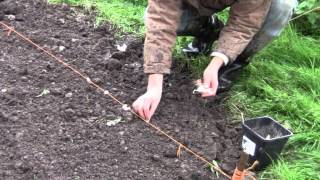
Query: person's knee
x=279, y=15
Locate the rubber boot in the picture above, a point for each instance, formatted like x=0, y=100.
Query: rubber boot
x=229, y=74
x=208, y=34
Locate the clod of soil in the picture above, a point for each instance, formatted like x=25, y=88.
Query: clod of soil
x=64, y=134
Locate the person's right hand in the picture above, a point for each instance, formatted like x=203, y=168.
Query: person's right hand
x=147, y=104
x=210, y=77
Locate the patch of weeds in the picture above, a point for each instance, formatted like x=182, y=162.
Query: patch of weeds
x=44, y=93
x=215, y=163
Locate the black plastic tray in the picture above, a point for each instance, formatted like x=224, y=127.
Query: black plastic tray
x=266, y=139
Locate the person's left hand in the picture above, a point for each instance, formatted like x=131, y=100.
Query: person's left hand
x=210, y=77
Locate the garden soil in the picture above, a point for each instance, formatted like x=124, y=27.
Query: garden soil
x=53, y=125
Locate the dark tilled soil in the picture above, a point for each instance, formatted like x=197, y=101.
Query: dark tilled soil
x=64, y=134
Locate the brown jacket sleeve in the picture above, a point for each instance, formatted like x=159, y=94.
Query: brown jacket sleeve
x=246, y=18
x=162, y=20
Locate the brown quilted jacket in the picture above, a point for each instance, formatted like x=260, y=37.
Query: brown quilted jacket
x=162, y=21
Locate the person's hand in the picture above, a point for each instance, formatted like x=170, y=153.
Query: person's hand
x=147, y=104
x=210, y=77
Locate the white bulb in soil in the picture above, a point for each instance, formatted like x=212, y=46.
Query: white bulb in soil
x=126, y=107
x=106, y=92
x=122, y=48
x=88, y=80
x=202, y=89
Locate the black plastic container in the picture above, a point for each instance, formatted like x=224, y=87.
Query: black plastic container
x=264, y=139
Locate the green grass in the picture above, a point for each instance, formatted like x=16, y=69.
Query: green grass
x=126, y=15
x=282, y=81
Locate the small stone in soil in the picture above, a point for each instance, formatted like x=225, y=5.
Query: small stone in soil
x=57, y=91
x=74, y=40
x=114, y=89
x=122, y=142
x=128, y=115
x=62, y=21
x=208, y=140
x=19, y=134
x=113, y=64
x=184, y=167
x=19, y=17
x=215, y=135
x=68, y=95
x=4, y=116
x=169, y=96
x=134, y=65
x=49, y=67
x=24, y=72
x=22, y=166
x=169, y=155
x=97, y=81
x=231, y=133
x=220, y=126
x=24, y=78
x=198, y=176
x=228, y=167
x=156, y=158
x=118, y=55
x=70, y=111
x=212, y=149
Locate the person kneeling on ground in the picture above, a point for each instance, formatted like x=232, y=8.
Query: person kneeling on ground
x=252, y=24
